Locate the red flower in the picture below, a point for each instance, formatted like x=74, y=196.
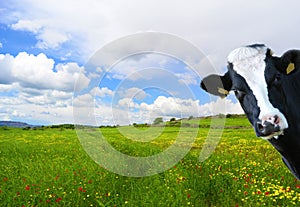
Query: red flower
x=58, y=199
x=298, y=186
x=81, y=189
x=188, y=195
x=258, y=192
x=5, y=179
x=267, y=193
x=245, y=193
x=27, y=187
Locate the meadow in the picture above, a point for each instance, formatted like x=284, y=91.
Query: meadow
x=49, y=167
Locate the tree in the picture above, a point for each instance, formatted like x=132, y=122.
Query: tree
x=172, y=119
x=191, y=117
x=158, y=120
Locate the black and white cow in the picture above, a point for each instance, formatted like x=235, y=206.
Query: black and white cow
x=268, y=89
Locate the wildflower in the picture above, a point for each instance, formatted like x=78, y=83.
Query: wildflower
x=267, y=193
x=58, y=199
x=188, y=195
x=27, y=187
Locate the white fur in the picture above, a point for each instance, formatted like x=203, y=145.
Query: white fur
x=249, y=63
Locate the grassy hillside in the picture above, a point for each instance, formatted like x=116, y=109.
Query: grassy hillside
x=50, y=168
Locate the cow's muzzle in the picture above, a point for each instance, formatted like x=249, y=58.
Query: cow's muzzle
x=269, y=128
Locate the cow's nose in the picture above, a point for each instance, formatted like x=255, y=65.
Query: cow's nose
x=266, y=128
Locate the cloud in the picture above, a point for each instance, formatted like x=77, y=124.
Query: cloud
x=102, y=92
x=27, y=25
x=47, y=36
x=215, y=27
x=133, y=93
x=188, y=78
x=169, y=107
x=37, y=72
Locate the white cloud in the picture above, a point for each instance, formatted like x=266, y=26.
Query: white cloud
x=34, y=90
x=133, y=93
x=47, y=36
x=31, y=71
x=101, y=92
x=127, y=103
x=32, y=26
x=90, y=24
x=51, y=38
x=187, y=78
x=220, y=106
x=169, y=107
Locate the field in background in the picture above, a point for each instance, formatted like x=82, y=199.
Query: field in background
x=48, y=167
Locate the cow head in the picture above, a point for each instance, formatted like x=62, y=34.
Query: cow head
x=255, y=76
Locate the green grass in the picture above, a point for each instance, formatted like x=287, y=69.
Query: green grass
x=50, y=168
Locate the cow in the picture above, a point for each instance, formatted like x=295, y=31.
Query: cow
x=268, y=90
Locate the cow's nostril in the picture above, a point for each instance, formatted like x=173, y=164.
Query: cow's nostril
x=260, y=127
x=276, y=119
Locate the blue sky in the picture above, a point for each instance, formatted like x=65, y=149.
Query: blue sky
x=45, y=49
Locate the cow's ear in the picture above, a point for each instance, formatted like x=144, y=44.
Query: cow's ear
x=289, y=62
x=217, y=85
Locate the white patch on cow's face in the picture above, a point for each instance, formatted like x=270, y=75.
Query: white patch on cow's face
x=249, y=62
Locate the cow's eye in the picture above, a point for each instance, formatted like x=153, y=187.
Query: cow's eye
x=277, y=80
x=239, y=94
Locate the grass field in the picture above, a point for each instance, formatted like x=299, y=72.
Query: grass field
x=50, y=168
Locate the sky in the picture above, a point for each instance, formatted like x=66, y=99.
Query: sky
x=94, y=62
